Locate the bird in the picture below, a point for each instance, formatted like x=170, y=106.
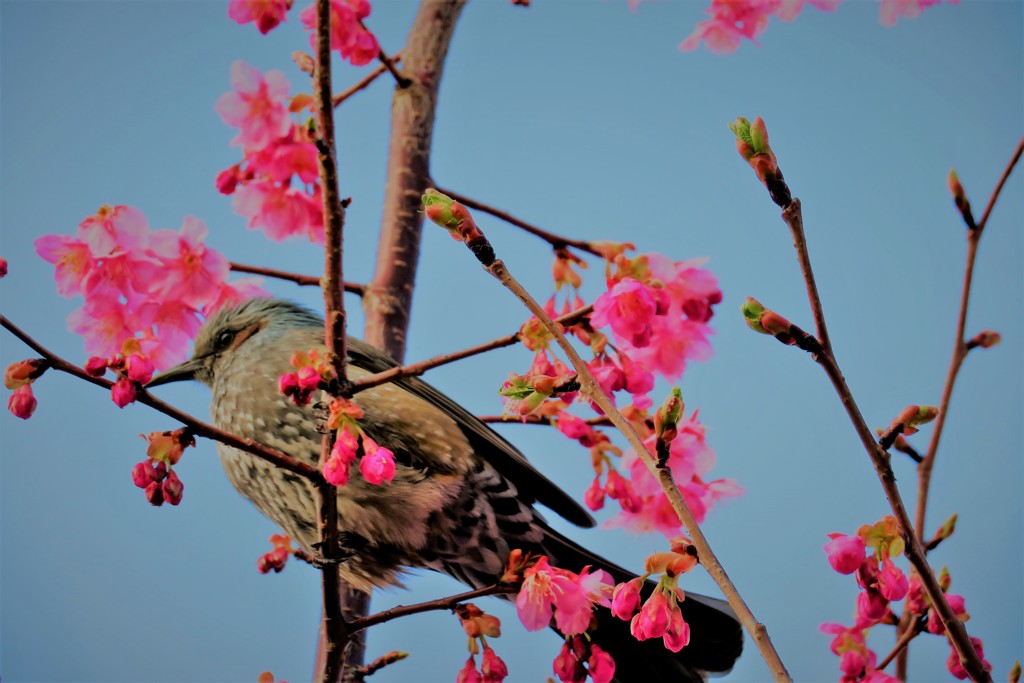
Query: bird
x=462, y=498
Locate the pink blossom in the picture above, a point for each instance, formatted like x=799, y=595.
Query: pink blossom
x=273, y=561
x=113, y=229
x=892, y=582
x=628, y=307
x=155, y=494
x=536, y=598
x=637, y=379
x=492, y=667
x=72, y=259
x=733, y=20
x=355, y=44
x=377, y=464
x=600, y=665
x=96, y=366
x=266, y=13
x=468, y=673
x=593, y=497
x=256, y=106
x=626, y=598
x=956, y=603
x=3, y=267
x=22, y=402
x=845, y=553
x=893, y=10
x=291, y=155
x=678, y=634
x=674, y=341
x=139, y=368
x=234, y=293
x=654, y=617
x=852, y=663
x=280, y=211
x=575, y=428
x=123, y=392
x=871, y=606
x=172, y=488
x=608, y=375
x=568, y=667
x=189, y=272
x=146, y=472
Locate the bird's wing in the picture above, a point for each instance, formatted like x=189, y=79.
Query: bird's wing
x=486, y=442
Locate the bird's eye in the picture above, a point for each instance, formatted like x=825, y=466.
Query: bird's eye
x=224, y=339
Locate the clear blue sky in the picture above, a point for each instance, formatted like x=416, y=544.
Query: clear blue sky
x=582, y=117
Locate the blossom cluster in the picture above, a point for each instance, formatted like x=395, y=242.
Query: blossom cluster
x=154, y=286
x=311, y=371
x=660, y=615
x=275, y=560
x=733, y=20
x=156, y=475
x=276, y=185
x=349, y=36
x=134, y=369
x=376, y=463
x=553, y=596
x=479, y=626
x=869, y=555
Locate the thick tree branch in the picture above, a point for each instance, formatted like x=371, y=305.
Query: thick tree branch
x=388, y=298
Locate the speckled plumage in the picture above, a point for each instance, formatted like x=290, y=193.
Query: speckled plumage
x=462, y=497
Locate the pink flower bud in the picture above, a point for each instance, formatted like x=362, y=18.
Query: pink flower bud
x=567, y=667
x=123, y=392
x=274, y=561
x=227, y=180
x=626, y=598
x=95, y=366
x=155, y=494
x=308, y=378
x=3, y=267
x=492, y=666
x=24, y=372
x=871, y=605
x=139, y=368
x=336, y=471
x=468, y=673
x=678, y=635
x=172, y=488
x=601, y=665
x=593, y=498
x=655, y=615
x=377, y=464
x=845, y=553
x=22, y=402
x=892, y=582
x=986, y=339
x=143, y=474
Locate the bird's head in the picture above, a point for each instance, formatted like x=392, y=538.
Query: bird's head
x=229, y=329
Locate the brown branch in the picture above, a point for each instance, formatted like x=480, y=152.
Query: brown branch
x=297, y=278
x=602, y=421
x=431, y=605
x=556, y=241
x=389, y=65
x=363, y=84
x=960, y=350
x=388, y=297
x=881, y=460
x=334, y=627
x=708, y=559
x=417, y=369
x=198, y=427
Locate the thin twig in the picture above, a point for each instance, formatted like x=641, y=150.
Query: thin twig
x=431, y=605
x=880, y=458
x=591, y=389
x=389, y=65
x=363, y=84
x=602, y=421
x=556, y=241
x=901, y=644
x=297, y=278
x=416, y=369
x=960, y=350
x=198, y=427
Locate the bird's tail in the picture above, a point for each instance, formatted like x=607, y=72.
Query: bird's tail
x=716, y=637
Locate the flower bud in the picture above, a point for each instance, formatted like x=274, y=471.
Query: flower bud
x=3, y=267
x=986, y=339
x=139, y=368
x=22, y=402
x=123, y=392
x=947, y=528
x=668, y=415
x=24, y=372
x=172, y=488
x=95, y=366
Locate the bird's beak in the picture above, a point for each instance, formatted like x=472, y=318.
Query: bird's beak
x=179, y=373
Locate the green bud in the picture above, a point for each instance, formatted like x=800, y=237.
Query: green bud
x=741, y=129
x=752, y=311
x=945, y=580
x=947, y=528
x=438, y=208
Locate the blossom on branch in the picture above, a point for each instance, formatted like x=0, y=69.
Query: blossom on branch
x=267, y=14
x=349, y=37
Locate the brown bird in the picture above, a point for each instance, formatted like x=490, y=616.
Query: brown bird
x=462, y=497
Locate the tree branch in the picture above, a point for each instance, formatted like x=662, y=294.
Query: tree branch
x=198, y=427
x=363, y=84
x=417, y=369
x=297, y=278
x=556, y=241
x=431, y=605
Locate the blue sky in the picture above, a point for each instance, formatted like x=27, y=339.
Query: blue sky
x=582, y=117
